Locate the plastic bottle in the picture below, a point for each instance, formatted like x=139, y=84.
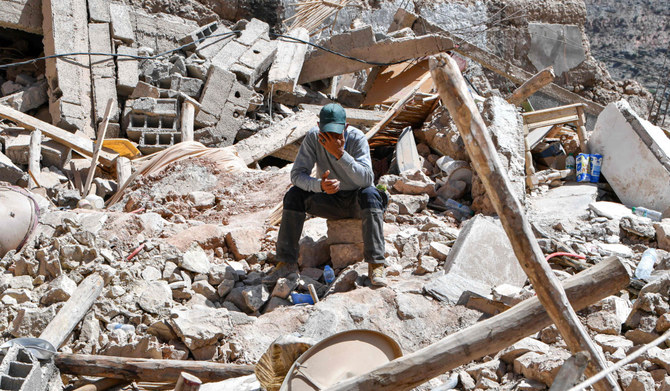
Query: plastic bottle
x=646, y=265
x=328, y=274
x=459, y=207
x=570, y=163
x=644, y=212
x=120, y=326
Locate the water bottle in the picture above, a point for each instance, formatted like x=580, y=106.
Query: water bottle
x=644, y=212
x=120, y=326
x=646, y=265
x=459, y=207
x=328, y=274
x=570, y=163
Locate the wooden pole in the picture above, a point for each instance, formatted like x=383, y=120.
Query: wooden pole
x=454, y=94
x=98, y=147
x=581, y=130
x=73, y=311
x=532, y=85
x=34, y=156
x=570, y=372
x=489, y=336
x=187, y=118
x=145, y=369
x=187, y=382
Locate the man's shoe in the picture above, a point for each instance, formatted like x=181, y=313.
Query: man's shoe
x=376, y=274
x=281, y=270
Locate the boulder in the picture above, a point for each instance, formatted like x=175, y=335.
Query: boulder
x=604, y=322
x=410, y=204
x=343, y=255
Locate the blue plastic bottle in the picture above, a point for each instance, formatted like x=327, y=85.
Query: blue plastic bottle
x=328, y=274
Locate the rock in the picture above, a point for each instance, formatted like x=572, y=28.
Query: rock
x=207, y=236
x=20, y=295
x=345, y=231
x=276, y=302
x=427, y=264
x=150, y=273
x=314, y=244
x=636, y=381
x=200, y=326
x=285, y=286
x=540, y=367
x=202, y=199
x=660, y=357
x=195, y=260
x=415, y=183
x=663, y=323
x=529, y=385
x=439, y=250
x=156, y=298
x=508, y=355
x=411, y=306
x=30, y=322
x=225, y=287
x=346, y=280
x=611, y=210
x=255, y=297
x=204, y=288
x=343, y=255
x=663, y=234
x=20, y=282
x=219, y=273
x=244, y=242
x=612, y=343
x=410, y=204
x=59, y=290
x=604, y=322
x=640, y=226
x=467, y=382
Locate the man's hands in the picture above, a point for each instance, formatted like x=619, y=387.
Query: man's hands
x=333, y=142
x=330, y=186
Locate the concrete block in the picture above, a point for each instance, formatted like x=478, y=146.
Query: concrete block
x=65, y=27
x=229, y=55
x=145, y=90
x=210, y=47
x=103, y=72
x=188, y=85
x=11, y=173
x=255, y=61
x=98, y=11
x=481, y=246
x=345, y=231
x=557, y=45
x=202, y=32
x=29, y=98
x=24, y=15
x=122, y=27
x=636, y=157
x=216, y=91
x=159, y=31
x=254, y=30
x=343, y=255
x=229, y=124
x=240, y=95
x=288, y=61
x=17, y=147
x=156, y=107
x=128, y=71
x=55, y=154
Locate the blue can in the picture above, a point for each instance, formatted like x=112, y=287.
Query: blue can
x=582, y=167
x=595, y=162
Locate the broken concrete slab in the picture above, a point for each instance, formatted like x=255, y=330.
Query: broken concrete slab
x=128, y=71
x=159, y=31
x=65, y=29
x=103, y=72
x=27, y=99
x=24, y=15
x=11, y=173
x=256, y=60
x=636, y=157
x=361, y=44
x=481, y=246
x=568, y=202
x=611, y=210
x=556, y=45
x=287, y=65
x=122, y=27
x=98, y=11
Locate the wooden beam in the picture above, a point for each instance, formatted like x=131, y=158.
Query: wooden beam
x=489, y=336
x=145, y=369
x=532, y=85
x=77, y=143
x=73, y=311
x=455, y=95
x=34, y=157
x=187, y=118
x=98, y=147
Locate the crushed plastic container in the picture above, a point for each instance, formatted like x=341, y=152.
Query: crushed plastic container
x=646, y=265
x=302, y=298
x=328, y=274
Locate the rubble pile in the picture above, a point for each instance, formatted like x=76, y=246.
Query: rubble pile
x=174, y=206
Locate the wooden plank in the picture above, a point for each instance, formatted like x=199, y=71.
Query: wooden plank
x=581, y=130
x=489, y=336
x=549, y=114
x=34, y=157
x=187, y=118
x=98, y=147
x=355, y=117
x=532, y=85
x=555, y=121
x=79, y=144
x=455, y=95
x=148, y=370
x=406, y=153
x=73, y=311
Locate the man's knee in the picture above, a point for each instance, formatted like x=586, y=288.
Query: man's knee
x=294, y=199
x=370, y=198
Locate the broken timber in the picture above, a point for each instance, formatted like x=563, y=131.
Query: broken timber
x=98, y=147
x=78, y=143
x=148, y=370
x=454, y=94
x=489, y=336
x=321, y=64
x=73, y=311
x=497, y=64
x=532, y=85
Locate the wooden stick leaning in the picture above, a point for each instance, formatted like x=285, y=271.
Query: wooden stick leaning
x=532, y=85
x=488, y=336
x=34, y=155
x=98, y=148
x=454, y=94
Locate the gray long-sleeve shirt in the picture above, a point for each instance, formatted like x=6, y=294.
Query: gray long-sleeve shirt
x=353, y=169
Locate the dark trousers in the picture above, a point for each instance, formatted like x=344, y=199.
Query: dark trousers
x=366, y=204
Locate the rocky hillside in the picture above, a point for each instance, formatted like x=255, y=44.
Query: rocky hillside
x=632, y=38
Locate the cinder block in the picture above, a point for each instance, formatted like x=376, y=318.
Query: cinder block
x=128, y=71
x=210, y=47
x=253, y=31
x=141, y=123
x=164, y=107
x=229, y=55
x=11, y=173
x=193, y=36
x=288, y=61
x=188, y=85
x=256, y=60
x=103, y=72
x=154, y=141
x=98, y=11
x=215, y=93
x=17, y=147
x=240, y=95
x=229, y=124
x=122, y=27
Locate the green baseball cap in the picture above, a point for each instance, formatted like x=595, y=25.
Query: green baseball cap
x=332, y=118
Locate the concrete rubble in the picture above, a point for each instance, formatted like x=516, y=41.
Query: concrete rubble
x=183, y=242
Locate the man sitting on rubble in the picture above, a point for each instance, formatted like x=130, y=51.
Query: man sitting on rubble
x=343, y=189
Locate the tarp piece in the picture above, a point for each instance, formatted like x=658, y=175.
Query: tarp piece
x=557, y=45
x=636, y=157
